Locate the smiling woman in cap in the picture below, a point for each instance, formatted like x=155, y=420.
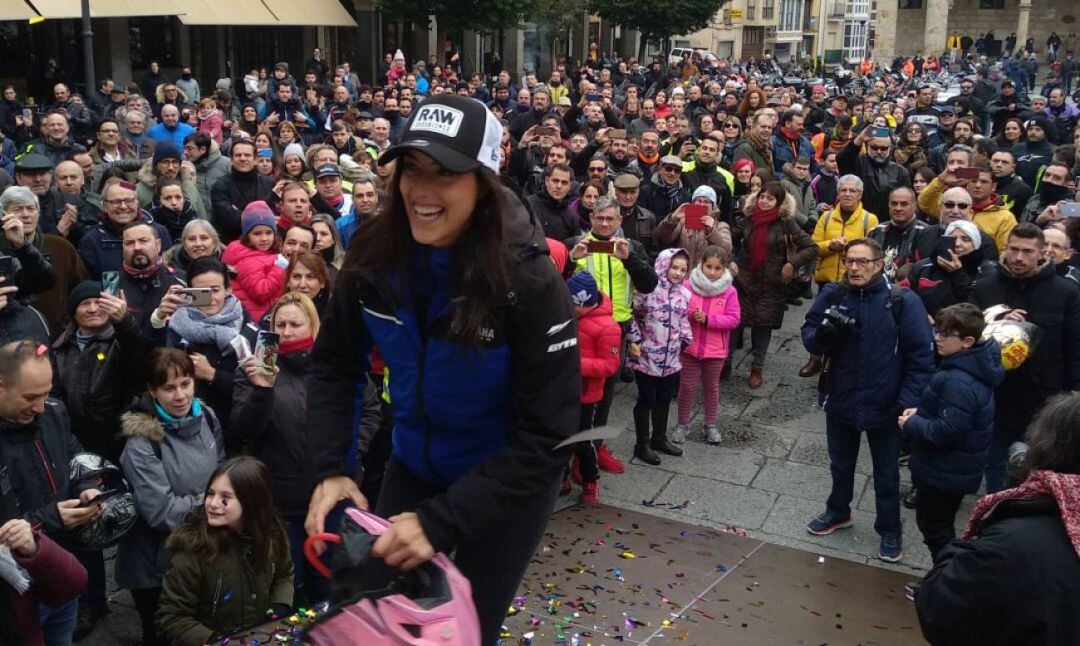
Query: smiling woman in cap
x=453, y=285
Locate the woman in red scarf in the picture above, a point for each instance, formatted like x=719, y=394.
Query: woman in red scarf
x=1015, y=576
x=269, y=416
x=768, y=231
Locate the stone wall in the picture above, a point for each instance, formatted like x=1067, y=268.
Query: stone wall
x=966, y=17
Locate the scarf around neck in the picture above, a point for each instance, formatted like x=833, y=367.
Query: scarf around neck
x=709, y=288
x=152, y=270
x=1064, y=488
x=761, y=220
x=220, y=329
x=296, y=345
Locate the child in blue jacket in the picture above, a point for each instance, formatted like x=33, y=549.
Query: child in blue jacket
x=951, y=430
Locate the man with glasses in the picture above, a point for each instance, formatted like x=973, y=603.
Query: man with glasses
x=1059, y=250
x=879, y=345
x=876, y=167
x=112, y=150
x=619, y=272
x=666, y=190
x=978, y=106
x=65, y=265
x=597, y=169
x=102, y=248
x=1028, y=283
x=955, y=204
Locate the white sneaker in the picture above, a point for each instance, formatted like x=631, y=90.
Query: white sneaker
x=712, y=434
x=679, y=433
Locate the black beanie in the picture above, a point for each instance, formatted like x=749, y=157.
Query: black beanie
x=81, y=292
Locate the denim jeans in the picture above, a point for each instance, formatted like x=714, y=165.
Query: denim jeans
x=843, y=440
x=58, y=622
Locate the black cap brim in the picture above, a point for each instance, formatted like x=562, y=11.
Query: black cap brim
x=446, y=157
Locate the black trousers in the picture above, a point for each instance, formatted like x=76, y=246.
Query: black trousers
x=494, y=562
x=935, y=514
x=586, y=451
x=146, y=603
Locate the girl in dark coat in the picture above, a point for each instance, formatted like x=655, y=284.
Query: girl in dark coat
x=769, y=230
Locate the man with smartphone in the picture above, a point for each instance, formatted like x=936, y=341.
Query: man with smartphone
x=144, y=279
x=36, y=447
x=620, y=266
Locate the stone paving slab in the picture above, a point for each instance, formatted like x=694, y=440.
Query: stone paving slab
x=690, y=585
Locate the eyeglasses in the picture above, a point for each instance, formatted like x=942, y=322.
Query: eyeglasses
x=879, y=149
x=860, y=262
x=956, y=205
x=125, y=201
x=731, y=125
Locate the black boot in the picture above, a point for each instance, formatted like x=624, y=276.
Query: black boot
x=642, y=450
x=660, y=441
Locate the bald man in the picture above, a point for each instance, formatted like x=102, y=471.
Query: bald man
x=170, y=128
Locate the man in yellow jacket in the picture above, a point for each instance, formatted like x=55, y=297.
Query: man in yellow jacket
x=835, y=228
x=990, y=213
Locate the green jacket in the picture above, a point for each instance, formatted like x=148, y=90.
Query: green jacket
x=200, y=599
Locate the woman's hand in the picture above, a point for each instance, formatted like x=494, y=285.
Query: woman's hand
x=326, y=496
x=171, y=302
x=709, y=221
x=404, y=544
x=950, y=265
x=256, y=377
x=115, y=307
x=18, y=536
x=203, y=370
x=787, y=273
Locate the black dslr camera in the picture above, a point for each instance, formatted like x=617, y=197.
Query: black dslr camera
x=834, y=324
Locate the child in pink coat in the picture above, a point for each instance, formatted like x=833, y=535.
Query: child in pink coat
x=254, y=258
x=714, y=313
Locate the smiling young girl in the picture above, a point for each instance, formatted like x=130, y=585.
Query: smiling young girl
x=713, y=313
x=658, y=333
x=230, y=562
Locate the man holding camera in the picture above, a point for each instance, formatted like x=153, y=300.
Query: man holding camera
x=879, y=353
x=620, y=266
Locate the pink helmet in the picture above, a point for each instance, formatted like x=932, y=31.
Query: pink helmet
x=371, y=604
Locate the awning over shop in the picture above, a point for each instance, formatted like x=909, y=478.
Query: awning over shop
x=227, y=12
x=60, y=9
x=321, y=13
x=16, y=10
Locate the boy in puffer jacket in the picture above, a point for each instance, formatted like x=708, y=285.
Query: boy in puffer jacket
x=951, y=430
x=599, y=339
x=659, y=331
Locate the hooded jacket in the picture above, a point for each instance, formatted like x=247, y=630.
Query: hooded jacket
x=711, y=339
x=660, y=324
x=882, y=366
x=479, y=426
x=950, y=434
x=200, y=599
x=210, y=168
x=1053, y=304
x=167, y=463
x=600, y=339
x=260, y=277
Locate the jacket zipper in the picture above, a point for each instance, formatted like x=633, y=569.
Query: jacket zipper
x=217, y=595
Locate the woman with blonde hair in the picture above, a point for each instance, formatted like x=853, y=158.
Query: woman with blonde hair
x=270, y=412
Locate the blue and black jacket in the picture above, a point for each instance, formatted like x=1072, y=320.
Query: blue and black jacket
x=479, y=423
x=881, y=367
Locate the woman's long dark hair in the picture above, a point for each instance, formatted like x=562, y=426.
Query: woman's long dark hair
x=482, y=258
x=251, y=483
x=1053, y=439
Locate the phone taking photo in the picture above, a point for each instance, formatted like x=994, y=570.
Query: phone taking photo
x=266, y=351
x=600, y=246
x=967, y=173
x=1069, y=210
x=197, y=296
x=7, y=268
x=110, y=282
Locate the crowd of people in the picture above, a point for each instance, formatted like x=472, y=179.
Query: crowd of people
x=459, y=272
